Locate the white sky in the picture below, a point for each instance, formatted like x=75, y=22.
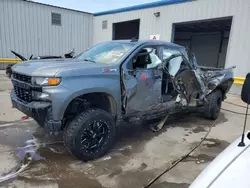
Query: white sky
x=94, y=5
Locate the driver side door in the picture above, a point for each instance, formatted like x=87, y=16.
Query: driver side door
x=142, y=80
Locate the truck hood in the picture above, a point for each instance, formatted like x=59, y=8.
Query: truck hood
x=53, y=67
x=230, y=169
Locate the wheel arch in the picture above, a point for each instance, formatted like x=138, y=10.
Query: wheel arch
x=98, y=99
x=224, y=87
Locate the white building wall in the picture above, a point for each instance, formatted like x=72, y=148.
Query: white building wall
x=26, y=28
x=238, y=47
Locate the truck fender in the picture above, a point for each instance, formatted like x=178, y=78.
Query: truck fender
x=115, y=100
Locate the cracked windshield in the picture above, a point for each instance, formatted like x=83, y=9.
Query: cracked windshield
x=107, y=53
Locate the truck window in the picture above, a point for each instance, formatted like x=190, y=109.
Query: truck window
x=174, y=65
x=168, y=52
x=147, y=58
x=106, y=53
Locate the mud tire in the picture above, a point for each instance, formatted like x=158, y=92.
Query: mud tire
x=72, y=133
x=213, y=106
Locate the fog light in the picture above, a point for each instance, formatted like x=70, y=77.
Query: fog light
x=40, y=96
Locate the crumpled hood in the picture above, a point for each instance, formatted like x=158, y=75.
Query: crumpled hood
x=53, y=67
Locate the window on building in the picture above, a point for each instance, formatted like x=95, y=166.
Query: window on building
x=105, y=24
x=56, y=19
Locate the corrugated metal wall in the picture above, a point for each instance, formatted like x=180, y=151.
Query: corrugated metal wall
x=25, y=27
x=238, y=47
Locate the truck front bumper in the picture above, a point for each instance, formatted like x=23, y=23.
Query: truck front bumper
x=38, y=110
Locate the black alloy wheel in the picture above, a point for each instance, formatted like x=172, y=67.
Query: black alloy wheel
x=90, y=134
x=94, y=136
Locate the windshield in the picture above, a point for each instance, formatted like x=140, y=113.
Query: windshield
x=106, y=53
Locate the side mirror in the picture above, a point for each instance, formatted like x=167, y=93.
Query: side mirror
x=245, y=93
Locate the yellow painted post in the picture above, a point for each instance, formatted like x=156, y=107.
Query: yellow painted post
x=8, y=60
x=239, y=80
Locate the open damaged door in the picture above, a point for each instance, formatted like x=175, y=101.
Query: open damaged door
x=186, y=79
x=142, y=84
x=190, y=86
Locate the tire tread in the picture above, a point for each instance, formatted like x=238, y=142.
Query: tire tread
x=212, y=102
x=71, y=130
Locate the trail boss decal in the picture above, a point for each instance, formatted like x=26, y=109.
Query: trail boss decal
x=109, y=70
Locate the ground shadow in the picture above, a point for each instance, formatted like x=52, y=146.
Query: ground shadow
x=129, y=133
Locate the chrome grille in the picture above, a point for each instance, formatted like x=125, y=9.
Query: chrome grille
x=23, y=94
x=22, y=77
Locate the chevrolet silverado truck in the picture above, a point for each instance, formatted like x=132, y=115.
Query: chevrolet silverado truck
x=88, y=97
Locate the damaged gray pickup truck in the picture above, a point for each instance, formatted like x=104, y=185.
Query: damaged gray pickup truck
x=88, y=96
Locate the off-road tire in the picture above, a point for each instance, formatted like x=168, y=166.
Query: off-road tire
x=213, y=105
x=72, y=133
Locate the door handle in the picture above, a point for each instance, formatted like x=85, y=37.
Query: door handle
x=132, y=72
x=157, y=77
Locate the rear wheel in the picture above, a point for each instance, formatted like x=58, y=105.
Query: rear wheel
x=213, y=106
x=90, y=134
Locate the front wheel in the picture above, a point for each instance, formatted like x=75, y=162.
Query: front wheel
x=213, y=106
x=90, y=134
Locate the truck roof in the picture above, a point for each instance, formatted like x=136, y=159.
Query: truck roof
x=159, y=42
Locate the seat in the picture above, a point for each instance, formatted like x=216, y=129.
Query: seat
x=141, y=61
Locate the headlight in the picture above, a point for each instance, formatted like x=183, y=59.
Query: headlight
x=42, y=81
x=40, y=96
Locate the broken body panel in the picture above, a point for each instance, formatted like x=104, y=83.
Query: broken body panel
x=142, y=88
x=222, y=78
